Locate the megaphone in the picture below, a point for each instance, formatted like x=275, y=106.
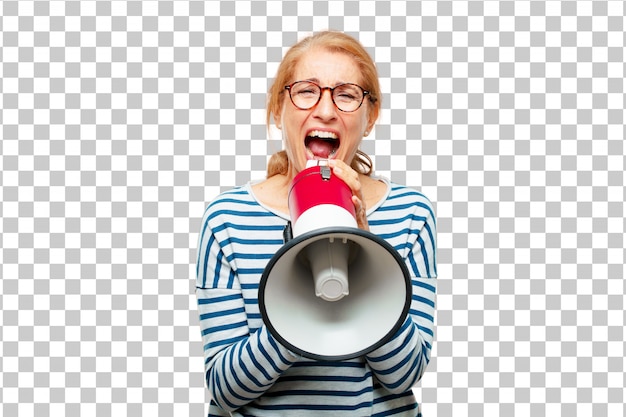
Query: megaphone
x=332, y=291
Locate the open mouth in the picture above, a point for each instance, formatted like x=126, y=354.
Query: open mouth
x=321, y=144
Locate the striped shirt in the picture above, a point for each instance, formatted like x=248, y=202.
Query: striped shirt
x=248, y=373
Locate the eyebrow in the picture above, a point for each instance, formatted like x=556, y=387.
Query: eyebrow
x=317, y=81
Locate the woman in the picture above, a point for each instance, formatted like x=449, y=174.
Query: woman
x=325, y=99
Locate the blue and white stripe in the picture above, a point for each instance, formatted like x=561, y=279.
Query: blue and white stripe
x=248, y=373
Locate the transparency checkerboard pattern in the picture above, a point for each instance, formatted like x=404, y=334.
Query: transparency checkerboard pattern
x=122, y=120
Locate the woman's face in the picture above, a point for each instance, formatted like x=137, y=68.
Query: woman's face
x=324, y=131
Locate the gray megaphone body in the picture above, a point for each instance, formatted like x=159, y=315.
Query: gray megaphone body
x=332, y=291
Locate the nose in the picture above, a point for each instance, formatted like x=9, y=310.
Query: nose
x=325, y=108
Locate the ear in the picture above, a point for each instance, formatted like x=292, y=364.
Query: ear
x=278, y=117
x=372, y=117
x=278, y=122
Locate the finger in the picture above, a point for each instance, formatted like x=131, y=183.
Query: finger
x=347, y=175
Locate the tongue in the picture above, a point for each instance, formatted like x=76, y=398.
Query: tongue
x=320, y=148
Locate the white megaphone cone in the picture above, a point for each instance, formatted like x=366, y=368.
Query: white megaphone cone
x=333, y=291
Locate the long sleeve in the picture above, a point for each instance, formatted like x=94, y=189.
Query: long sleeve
x=241, y=362
x=239, y=366
x=401, y=362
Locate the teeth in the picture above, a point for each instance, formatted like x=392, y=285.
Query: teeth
x=323, y=134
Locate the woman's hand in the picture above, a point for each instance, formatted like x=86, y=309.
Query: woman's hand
x=351, y=178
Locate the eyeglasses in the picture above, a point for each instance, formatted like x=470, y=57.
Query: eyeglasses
x=347, y=97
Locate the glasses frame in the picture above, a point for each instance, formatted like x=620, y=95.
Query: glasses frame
x=331, y=89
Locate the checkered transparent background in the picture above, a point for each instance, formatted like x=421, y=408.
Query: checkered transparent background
x=122, y=120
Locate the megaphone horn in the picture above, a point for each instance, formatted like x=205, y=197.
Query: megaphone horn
x=333, y=291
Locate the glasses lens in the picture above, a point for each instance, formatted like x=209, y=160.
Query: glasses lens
x=348, y=97
x=305, y=94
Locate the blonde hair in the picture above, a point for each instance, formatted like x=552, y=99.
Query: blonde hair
x=334, y=42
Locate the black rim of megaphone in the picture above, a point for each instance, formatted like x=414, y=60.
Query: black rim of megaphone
x=324, y=231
